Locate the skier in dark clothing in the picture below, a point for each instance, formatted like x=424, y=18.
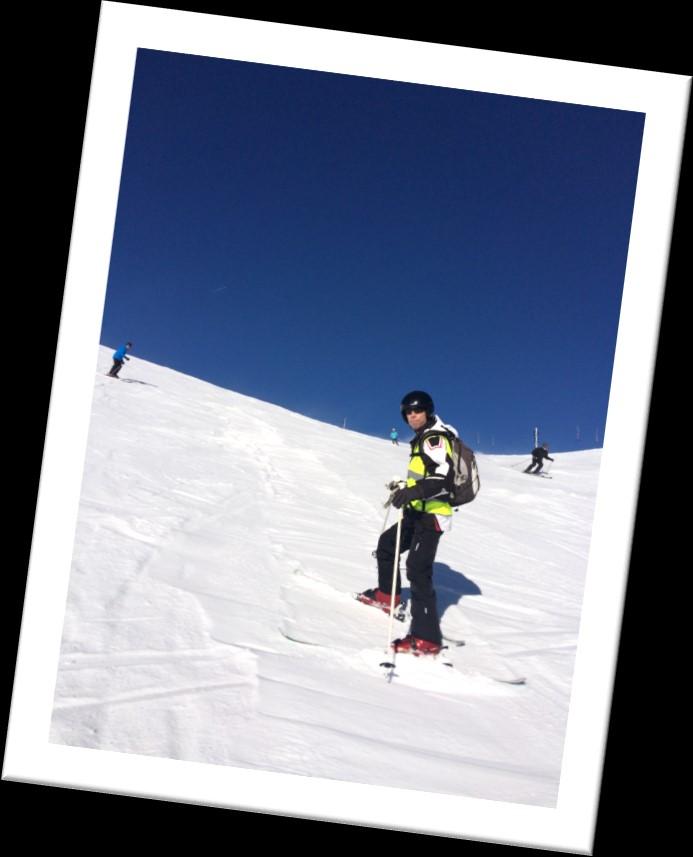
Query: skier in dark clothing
x=427, y=514
x=118, y=358
x=538, y=456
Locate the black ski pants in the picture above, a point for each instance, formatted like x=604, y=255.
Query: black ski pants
x=536, y=462
x=117, y=366
x=420, y=536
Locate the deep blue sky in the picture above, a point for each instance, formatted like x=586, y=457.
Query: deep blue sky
x=328, y=242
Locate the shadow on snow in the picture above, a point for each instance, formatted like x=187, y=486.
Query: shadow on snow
x=135, y=381
x=451, y=586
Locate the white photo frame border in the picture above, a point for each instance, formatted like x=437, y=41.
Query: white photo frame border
x=122, y=30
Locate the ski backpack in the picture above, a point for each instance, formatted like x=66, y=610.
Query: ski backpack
x=465, y=482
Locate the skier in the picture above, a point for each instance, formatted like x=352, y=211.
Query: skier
x=394, y=436
x=118, y=358
x=426, y=516
x=538, y=456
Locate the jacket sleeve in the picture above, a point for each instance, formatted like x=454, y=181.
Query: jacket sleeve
x=435, y=454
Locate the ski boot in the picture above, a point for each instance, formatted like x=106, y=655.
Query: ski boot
x=381, y=600
x=416, y=646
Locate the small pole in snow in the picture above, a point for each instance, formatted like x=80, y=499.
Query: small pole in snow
x=536, y=437
x=577, y=432
x=344, y=423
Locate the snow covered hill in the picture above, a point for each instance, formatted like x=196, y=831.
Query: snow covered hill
x=210, y=522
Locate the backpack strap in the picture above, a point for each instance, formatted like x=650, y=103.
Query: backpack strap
x=429, y=462
x=433, y=433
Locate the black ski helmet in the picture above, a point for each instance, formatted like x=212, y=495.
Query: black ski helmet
x=417, y=398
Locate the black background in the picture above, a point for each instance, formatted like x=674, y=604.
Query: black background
x=48, y=87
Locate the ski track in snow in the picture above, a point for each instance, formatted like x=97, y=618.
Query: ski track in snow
x=210, y=523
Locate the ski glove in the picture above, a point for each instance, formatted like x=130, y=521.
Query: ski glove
x=405, y=495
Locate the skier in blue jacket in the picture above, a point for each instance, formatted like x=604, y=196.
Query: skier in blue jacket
x=118, y=358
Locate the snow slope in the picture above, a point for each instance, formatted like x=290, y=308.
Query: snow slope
x=209, y=521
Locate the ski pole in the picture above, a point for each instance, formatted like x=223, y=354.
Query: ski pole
x=387, y=515
x=392, y=487
x=394, y=580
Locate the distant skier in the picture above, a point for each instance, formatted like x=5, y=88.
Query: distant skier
x=394, y=436
x=118, y=358
x=427, y=515
x=538, y=456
